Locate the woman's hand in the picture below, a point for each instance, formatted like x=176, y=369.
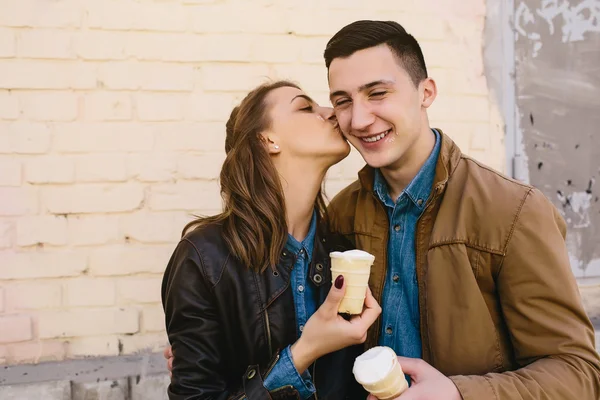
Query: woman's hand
x=326, y=331
x=168, y=355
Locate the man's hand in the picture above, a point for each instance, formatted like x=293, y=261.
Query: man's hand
x=427, y=383
x=168, y=354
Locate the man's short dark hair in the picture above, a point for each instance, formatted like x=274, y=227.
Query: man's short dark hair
x=364, y=34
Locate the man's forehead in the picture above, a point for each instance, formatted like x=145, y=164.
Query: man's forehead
x=362, y=69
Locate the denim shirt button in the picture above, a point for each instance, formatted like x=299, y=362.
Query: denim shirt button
x=301, y=288
x=397, y=228
x=389, y=330
x=396, y=278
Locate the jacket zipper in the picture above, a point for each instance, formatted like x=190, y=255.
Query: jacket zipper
x=268, y=333
x=385, y=246
x=272, y=364
x=281, y=388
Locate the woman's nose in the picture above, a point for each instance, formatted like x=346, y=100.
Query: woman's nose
x=327, y=113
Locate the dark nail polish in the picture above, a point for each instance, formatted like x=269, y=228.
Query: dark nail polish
x=339, y=282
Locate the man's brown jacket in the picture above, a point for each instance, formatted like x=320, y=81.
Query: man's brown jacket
x=500, y=309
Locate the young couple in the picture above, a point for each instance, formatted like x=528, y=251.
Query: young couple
x=471, y=268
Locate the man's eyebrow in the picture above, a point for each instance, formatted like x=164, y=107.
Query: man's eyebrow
x=375, y=83
x=303, y=96
x=363, y=87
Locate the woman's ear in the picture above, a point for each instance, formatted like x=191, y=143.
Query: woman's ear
x=272, y=143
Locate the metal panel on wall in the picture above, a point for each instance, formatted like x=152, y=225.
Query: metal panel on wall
x=557, y=72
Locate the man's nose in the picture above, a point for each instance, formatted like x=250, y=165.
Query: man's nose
x=361, y=116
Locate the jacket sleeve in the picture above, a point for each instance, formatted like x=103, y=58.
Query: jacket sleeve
x=284, y=373
x=193, y=328
x=552, y=337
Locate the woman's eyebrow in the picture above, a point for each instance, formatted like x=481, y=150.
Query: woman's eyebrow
x=303, y=96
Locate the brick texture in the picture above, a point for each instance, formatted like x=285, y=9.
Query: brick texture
x=15, y=328
x=95, y=346
x=47, y=229
x=11, y=171
x=112, y=128
x=87, y=322
x=9, y=104
x=30, y=295
x=36, y=351
x=87, y=292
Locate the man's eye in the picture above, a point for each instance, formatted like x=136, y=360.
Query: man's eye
x=376, y=94
x=340, y=103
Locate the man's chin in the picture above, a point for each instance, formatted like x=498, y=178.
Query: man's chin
x=375, y=160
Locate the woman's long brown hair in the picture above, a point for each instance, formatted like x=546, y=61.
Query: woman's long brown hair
x=254, y=213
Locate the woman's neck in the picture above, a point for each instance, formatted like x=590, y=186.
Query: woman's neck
x=300, y=188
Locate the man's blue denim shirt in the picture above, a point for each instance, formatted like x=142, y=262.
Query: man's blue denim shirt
x=400, y=327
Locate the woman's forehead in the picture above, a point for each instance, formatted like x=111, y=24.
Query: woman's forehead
x=287, y=95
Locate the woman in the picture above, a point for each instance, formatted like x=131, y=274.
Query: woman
x=242, y=288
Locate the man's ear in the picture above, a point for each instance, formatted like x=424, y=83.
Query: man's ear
x=429, y=92
x=272, y=142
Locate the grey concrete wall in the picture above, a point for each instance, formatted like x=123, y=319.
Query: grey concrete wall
x=542, y=64
x=557, y=70
x=138, y=377
x=152, y=387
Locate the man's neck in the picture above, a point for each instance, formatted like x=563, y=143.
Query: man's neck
x=399, y=175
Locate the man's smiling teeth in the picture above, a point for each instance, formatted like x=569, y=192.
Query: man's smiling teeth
x=376, y=138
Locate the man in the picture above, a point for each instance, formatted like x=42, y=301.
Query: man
x=471, y=267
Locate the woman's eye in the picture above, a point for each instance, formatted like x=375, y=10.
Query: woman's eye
x=308, y=109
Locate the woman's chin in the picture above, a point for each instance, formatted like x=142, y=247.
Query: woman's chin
x=340, y=155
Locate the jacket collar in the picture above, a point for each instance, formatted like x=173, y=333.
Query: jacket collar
x=447, y=162
x=278, y=280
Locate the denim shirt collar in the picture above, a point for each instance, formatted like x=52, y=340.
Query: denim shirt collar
x=419, y=188
x=307, y=244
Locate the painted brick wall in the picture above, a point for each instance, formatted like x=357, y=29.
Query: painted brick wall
x=111, y=135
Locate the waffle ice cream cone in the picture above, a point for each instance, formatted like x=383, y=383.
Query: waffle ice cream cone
x=380, y=373
x=355, y=266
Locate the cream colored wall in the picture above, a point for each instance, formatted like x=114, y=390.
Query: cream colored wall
x=111, y=134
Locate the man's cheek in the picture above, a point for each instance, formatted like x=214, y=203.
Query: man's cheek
x=345, y=126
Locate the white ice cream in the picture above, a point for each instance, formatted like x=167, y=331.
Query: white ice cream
x=373, y=365
x=352, y=254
